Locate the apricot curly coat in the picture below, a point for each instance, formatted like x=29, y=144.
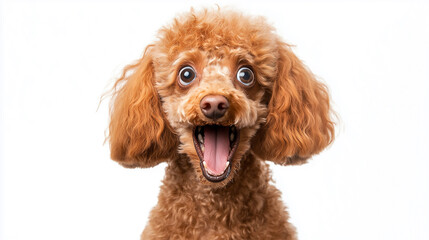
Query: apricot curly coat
x=284, y=117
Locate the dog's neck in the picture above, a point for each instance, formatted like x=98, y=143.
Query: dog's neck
x=252, y=176
x=199, y=211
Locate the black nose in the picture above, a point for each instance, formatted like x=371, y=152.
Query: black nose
x=214, y=106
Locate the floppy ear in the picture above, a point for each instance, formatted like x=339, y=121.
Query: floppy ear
x=298, y=123
x=138, y=132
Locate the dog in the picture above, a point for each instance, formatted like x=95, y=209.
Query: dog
x=217, y=95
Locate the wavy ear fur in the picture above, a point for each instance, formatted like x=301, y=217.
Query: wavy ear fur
x=298, y=123
x=138, y=132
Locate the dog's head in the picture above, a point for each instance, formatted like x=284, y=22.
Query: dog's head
x=216, y=86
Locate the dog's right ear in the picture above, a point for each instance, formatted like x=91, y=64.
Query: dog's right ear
x=139, y=134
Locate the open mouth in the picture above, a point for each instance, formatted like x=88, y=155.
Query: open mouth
x=215, y=146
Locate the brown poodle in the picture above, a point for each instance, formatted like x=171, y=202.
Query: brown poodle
x=217, y=95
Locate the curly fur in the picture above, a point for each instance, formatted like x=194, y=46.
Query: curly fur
x=284, y=117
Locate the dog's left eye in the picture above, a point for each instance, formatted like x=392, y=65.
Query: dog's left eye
x=186, y=75
x=245, y=76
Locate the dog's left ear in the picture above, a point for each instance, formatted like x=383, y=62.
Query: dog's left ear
x=298, y=122
x=139, y=133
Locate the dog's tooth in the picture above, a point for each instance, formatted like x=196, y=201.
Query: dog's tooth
x=232, y=137
x=202, y=147
x=210, y=172
x=200, y=138
x=233, y=128
x=207, y=169
x=226, y=165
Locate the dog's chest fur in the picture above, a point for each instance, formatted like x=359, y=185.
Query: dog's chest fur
x=250, y=209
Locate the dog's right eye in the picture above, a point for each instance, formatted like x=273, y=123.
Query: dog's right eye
x=186, y=75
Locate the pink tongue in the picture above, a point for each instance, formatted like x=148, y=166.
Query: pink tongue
x=216, y=148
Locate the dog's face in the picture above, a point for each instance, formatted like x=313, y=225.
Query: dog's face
x=208, y=89
x=213, y=98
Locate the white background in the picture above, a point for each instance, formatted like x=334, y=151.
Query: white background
x=59, y=57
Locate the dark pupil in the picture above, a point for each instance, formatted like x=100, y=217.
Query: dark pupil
x=187, y=75
x=245, y=75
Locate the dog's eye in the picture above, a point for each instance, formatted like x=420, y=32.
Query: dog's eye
x=186, y=75
x=245, y=76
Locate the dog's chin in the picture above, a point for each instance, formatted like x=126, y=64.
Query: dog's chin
x=215, y=146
